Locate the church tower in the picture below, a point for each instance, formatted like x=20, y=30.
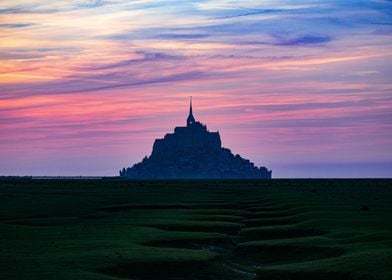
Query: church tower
x=190, y=120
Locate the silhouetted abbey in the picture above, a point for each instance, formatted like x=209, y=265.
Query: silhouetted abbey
x=193, y=152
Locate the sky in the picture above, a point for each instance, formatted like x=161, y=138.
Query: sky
x=301, y=87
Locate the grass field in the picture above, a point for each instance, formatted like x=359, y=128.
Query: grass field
x=114, y=229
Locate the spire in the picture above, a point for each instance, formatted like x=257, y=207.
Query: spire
x=190, y=106
x=190, y=120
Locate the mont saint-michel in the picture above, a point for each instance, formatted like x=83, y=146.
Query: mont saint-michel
x=193, y=152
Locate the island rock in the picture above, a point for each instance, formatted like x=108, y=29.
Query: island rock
x=193, y=152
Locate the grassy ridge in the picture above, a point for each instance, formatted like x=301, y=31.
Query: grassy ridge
x=113, y=229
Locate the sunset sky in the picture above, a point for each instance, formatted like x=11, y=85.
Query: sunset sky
x=302, y=87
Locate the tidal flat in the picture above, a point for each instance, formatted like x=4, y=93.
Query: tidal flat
x=203, y=229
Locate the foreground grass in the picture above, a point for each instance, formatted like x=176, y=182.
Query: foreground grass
x=113, y=229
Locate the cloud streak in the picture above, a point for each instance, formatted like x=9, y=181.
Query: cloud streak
x=280, y=79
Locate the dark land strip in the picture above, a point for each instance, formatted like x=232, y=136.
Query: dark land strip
x=280, y=229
